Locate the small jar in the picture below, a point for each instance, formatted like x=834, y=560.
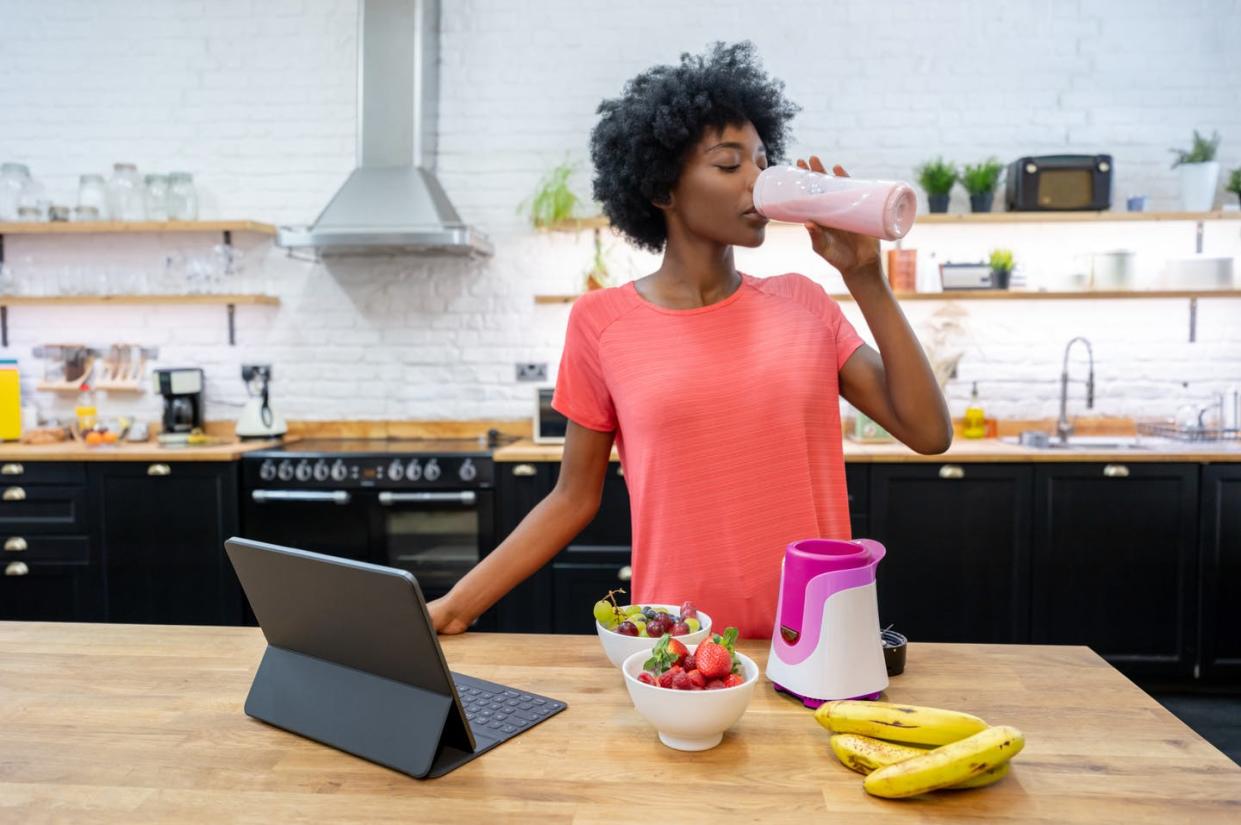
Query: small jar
x=157, y=197
x=182, y=197
x=32, y=202
x=13, y=177
x=125, y=193
x=92, y=199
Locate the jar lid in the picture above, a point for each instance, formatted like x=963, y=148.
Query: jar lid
x=125, y=167
x=90, y=179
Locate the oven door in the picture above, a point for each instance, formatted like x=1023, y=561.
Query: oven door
x=334, y=522
x=438, y=535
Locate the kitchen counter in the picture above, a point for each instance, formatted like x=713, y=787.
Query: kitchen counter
x=125, y=723
x=962, y=450
x=149, y=451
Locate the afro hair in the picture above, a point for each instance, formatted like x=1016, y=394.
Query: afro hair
x=644, y=136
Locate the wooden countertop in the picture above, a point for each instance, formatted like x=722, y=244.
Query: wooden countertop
x=124, y=724
x=962, y=450
x=150, y=451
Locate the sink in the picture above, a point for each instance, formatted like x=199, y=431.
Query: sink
x=1086, y=442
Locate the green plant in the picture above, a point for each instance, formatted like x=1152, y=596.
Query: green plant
x=1234, y=181
x=553, y=201
x=937, y=176
x=981, y=178
x=1002, y=260
x=1203, y=150
x=598, y=271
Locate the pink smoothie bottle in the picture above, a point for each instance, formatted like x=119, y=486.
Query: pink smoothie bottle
x=879, y=208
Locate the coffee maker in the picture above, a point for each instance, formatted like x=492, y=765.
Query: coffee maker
x=182, y=388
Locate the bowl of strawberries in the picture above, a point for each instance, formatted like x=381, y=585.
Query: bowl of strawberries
x=691, y=694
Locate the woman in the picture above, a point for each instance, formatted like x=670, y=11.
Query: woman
x=719, y=389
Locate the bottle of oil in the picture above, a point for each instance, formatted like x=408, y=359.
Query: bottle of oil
x=975, y=425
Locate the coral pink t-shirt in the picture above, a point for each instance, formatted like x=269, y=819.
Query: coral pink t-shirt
x=727, y=423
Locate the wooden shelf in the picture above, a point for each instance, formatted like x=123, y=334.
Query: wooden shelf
x=42, y=300
x=578, y=225
x=1006, y=295
x=132, y=227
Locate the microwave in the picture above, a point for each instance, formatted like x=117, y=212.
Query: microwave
x=1060, y=183
x=549, y=425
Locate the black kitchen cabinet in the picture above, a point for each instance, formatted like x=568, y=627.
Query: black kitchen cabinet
x=596, y=560
x=1220, y=560
x=958, y=541
x=1115, y=563
x=50, y=566
x=528, y=607
x=162, y=528
x=857, y=483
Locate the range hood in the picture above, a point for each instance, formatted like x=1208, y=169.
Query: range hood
x=392, y=203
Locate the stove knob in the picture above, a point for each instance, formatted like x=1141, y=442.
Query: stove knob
x=414, y=471
x=468, y=471
x=396, y=470
x=267, y=470
x=321, y=470
x=286, y=470
x=304, y=471
x=339, y=471
x=432, y=471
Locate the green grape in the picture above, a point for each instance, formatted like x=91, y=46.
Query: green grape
x=632, y=609
x=694, y=624
x=640, y=625
x=604, y=613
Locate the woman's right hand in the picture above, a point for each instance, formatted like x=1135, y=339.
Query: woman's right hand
x=444, y=618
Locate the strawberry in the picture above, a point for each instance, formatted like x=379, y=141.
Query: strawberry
x=713, y=660
x=714, y=684
x=678, y=651
x=689, y=663
x=696, y=678
x=680, y=681
x=733, y=680
x=646, y=678
x=666, y=679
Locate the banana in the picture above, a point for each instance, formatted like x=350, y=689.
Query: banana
x=948, y=765
x=865, y=755
x=902, y=723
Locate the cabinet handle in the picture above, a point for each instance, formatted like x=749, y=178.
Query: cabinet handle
x=16, y=568
x=625, y=573
x=16, y=544
x=14, y=494
x=12, y=470
x=524, y=470
x=159, y=470
x=1116, y=471
x=952, y=471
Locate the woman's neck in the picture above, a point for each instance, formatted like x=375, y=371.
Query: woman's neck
x=694, y=273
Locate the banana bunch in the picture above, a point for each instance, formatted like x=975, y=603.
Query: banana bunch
x=963, y=751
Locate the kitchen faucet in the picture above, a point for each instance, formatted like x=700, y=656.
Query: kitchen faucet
x=1063, y=427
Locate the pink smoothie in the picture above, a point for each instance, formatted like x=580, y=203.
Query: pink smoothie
x=878, y=208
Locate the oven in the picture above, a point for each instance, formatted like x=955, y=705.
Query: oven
x=425, y=507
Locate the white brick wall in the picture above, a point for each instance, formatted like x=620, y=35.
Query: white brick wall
x=257, y=98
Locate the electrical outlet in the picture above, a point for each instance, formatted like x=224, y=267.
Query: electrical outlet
x=532, y=372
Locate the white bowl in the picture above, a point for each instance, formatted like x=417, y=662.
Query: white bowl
x=618, y=648
x=690, y=720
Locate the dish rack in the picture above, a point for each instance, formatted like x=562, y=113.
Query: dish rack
x=122, y=368
x=1172, y=431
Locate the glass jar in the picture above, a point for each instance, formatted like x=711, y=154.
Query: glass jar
x=125, y=193
x=13, y=177
x=32, y=202
x=92, y=199
x=157, y=197
x=182, y=197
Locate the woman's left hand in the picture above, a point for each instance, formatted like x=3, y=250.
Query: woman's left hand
x=852, y=254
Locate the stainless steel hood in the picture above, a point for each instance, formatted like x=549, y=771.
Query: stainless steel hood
x=392, y=203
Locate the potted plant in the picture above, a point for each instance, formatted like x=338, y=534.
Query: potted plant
x=598, y=277
x=553, y=202
x=936, y=177
x=1001, y=267
x=1199, y=173
x=980, y=180
x=1234, y=182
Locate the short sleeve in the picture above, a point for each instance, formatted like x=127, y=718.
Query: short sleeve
x=581, y=392
x=819, y=302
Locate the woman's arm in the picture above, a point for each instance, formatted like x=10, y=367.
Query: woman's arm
x=895, y=386
x=551, y=525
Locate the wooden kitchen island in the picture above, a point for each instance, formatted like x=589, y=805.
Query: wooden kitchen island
x=144, y=724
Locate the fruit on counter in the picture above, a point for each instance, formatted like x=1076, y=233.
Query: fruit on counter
x=900, y=723
x=866, y=754
x=672, y=666
x=645, y=620
x=948, y=765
